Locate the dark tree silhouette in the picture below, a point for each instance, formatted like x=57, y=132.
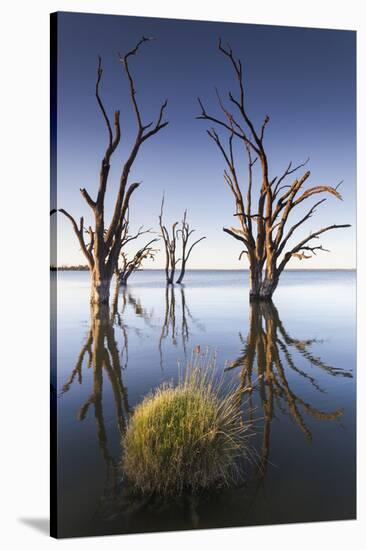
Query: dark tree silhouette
x=104, y=247
x=262, y=232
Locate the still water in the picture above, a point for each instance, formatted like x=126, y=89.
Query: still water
x=297, y=356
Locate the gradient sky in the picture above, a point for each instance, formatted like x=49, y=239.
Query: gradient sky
x=304, y=79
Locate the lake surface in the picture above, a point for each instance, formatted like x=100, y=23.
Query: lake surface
x=296, y=359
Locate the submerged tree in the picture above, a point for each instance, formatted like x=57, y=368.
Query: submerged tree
x=127, y=263
x=104, y=247
x=170, y=243
x=130, y=264
x=262, y=230
x=186, y=233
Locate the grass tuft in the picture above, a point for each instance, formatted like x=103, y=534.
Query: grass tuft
x=186, y=437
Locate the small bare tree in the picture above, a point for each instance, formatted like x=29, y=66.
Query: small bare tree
x=262, y=231
x=127, y=264
x=170, y=243
x=186, y=233
x=103, y=250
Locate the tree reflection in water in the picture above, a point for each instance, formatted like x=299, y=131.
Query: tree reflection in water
x=265, y=362
x=106, y=353
x=268, y=356
x=172, y=326
x=107, y=359
x=104, y=358
x=102, y=353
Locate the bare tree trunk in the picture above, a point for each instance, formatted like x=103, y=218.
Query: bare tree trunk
x=170, y=279
x=262, y=288
x=100, y=286
x=268, y=287
x=270, y=282
x=255, y=280
x=182, y=273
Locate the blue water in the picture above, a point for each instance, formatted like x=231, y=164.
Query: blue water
x=301, y=403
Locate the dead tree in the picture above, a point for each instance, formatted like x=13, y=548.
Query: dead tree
x=185, y=233
x=103, y=250
x=126, y=266
x=170, y=243
x=262, y=230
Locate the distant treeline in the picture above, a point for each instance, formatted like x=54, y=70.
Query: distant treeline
x=69, y=268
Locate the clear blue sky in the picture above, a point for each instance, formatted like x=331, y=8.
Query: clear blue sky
x=304, y=79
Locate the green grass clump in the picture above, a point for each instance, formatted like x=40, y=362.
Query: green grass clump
x=186, y=436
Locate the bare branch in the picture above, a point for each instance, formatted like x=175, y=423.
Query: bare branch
x=159, y=124
x=112, y=145
x=79, y=233
x=194, y=244
x=124, y=61
x=100, y=103
x=301, y=245
x=286, y=204
x=240, y=104
x=289, y=170
x=265, y=122
x=318, y=189
x=241, y=254
x=88, y=198
x=235, y=233
x=296, y=225
x=205, y=116
x=140, y=138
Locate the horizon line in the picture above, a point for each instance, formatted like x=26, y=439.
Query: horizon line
x=77, y=268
